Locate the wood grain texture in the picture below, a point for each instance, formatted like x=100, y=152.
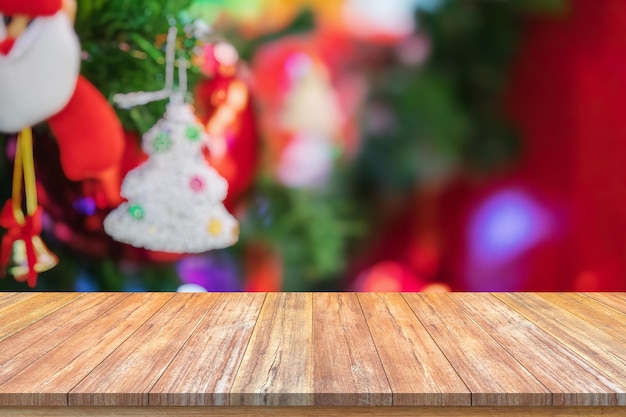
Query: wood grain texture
x=493, y=376
x=277, y=366
x=313, y=411
x=126, y=376
x=29, y=309
x=49, y=379
x=29, y=344
x=417, y=370
x=599, y=349
x=204, y=370
x=442, y=354
x=347, y=369
x=578, y=383
x=10, y=298
x=615, y=300
x=600, y=315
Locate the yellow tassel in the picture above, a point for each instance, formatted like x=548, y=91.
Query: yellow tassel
x=30, y=186
x=24, y=168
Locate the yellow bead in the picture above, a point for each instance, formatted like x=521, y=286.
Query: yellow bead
x=214, y=227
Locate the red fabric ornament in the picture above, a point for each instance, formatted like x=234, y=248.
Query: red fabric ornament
x=90, y=138
x=6, y=46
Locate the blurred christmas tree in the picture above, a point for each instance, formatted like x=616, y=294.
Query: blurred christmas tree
x=353, y=124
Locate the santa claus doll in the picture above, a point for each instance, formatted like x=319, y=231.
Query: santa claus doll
x=40, y=81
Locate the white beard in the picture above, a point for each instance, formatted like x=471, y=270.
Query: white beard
x=38, y=76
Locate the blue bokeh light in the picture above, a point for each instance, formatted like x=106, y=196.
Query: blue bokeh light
x=506, y=225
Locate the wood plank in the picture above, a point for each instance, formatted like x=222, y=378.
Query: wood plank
x=126, y=376
x=277, y=365
x=603, y=352
x=492, y=375
x=313, y=411
x=417, y=370
x=204, y=370
x=605, y=318
x=615, y=300
x=46, y=381
x=28, y=310
x=578, y=383
x=347, y=370
x=9, y=298
x=29, y=344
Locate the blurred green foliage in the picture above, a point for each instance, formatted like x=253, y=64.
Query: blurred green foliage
x=124, y=50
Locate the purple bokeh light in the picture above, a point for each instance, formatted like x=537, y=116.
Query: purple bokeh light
x=506, y=225
x=215, y=272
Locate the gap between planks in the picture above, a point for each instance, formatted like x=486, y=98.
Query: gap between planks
x=409, y=353
x=227, y=328
x=579, y=383
x=604, y=353
x=492, y=374
x=26, y=387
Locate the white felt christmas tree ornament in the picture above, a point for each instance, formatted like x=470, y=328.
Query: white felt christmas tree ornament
x=174, y=199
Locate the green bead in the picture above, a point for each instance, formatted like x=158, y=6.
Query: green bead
x=192, y=133
x=162, y=143
x=136, y=212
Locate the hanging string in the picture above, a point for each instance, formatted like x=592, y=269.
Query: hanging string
x=179, y=96
x=170, y=56
x=182, y=76
x=139, y=98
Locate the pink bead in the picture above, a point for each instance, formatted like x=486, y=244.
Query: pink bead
x=196, y=183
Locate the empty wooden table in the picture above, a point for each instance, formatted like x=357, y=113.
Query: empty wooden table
x=312, y=354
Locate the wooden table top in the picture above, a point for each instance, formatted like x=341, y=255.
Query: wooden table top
x=313, y=349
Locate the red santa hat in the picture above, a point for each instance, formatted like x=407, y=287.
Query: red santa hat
x=33, y=8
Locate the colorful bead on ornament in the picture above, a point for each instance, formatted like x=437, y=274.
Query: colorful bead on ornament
x=136, y=212
x=196, y=183
x=193, y=133
x=215, y=227
x=162, y=143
